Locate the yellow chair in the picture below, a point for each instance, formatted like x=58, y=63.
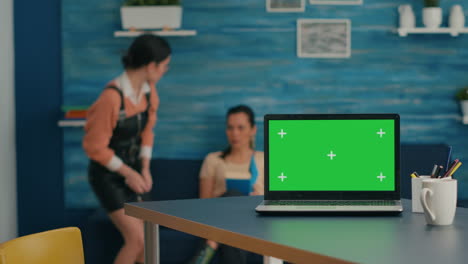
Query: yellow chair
x=58, y=246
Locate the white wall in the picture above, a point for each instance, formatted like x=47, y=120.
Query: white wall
x=8, y=223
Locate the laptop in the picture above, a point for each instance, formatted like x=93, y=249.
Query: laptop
x=332, y=163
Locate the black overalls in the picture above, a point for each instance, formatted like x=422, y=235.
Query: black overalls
x=110, y=187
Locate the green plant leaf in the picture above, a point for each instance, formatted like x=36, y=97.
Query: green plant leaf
x=431, y=3
x=462, y=94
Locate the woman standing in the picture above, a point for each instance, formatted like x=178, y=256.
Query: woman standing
x=238, y=170
x=119, y=139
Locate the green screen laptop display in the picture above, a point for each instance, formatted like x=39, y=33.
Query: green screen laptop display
x=331, y=155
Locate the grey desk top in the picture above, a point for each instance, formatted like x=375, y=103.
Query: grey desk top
x=324, y=239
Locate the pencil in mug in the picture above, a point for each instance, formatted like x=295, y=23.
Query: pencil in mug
x=455, y=169
x=452, y=166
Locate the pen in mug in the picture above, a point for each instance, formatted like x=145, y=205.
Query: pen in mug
x=438, y=170
x=447, y=166
x=441, y=171
x=434, y=170
x=413, y=175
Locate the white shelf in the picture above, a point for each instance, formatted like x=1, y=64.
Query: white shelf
x=403, y=32
x=71, y=123
x=166, y=33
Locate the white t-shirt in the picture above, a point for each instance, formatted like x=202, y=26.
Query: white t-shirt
x=214, y=167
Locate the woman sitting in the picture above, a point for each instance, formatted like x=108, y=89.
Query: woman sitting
x=236, y=171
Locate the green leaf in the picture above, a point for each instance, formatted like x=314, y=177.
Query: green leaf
x=431, y=3
x=462, y=94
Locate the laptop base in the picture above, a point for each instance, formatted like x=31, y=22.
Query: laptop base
x=266, y=208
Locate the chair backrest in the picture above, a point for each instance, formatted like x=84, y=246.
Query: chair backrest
x=56, y=246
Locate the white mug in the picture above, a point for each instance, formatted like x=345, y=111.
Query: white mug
x=439, y=200
x=416, y=186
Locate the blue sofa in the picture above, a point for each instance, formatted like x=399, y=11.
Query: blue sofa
x=178, y=179
x=173, y=179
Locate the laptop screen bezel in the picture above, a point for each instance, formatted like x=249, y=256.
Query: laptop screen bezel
x=332, y=195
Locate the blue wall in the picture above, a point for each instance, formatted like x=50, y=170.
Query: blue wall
x=242, y=54
x=38, y=90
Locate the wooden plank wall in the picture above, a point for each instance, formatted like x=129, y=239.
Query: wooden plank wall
x=242, y=54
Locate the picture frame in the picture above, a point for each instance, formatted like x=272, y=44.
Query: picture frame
x=323, y=38
x=336, y=2
x=285, y=5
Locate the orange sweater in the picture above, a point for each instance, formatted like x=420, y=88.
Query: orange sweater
x=102, y=118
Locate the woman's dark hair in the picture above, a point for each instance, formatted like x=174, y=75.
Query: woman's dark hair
x=251, y=117
x=144, y=50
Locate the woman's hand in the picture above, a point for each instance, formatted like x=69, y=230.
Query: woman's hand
x=206, y=188
x=146, y=173
x=133, y=179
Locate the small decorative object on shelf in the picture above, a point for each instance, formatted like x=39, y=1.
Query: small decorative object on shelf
x=407, y=18
x=151, y=14
x=457, y=17
x=432, y=18
x=462, y=97
x=432, y=14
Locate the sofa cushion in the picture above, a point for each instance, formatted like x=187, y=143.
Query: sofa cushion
x=175, y=179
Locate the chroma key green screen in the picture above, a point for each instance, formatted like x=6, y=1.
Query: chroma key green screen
x=331, y=155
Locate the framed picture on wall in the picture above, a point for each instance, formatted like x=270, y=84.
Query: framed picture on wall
x=336, y=2
x=323, y=38
x=285, y=5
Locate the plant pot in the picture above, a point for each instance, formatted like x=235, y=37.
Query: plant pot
x=464, y=108
x=432, y=17
x=151, y=17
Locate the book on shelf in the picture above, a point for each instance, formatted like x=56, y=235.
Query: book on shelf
x=75, y=112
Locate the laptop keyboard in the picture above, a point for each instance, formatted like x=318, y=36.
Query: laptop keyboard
x=333, y=203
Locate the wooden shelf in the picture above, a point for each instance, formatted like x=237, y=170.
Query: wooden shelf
x=71, y=123
x=403, y=32
x=166, y=33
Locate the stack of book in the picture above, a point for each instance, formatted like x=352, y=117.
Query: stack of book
x=74, y=116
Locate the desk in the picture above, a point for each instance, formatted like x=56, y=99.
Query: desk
x=307, y=239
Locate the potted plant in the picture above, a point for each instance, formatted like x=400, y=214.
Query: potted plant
x=151, y=14
x=432, y=14
x=462, y=96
